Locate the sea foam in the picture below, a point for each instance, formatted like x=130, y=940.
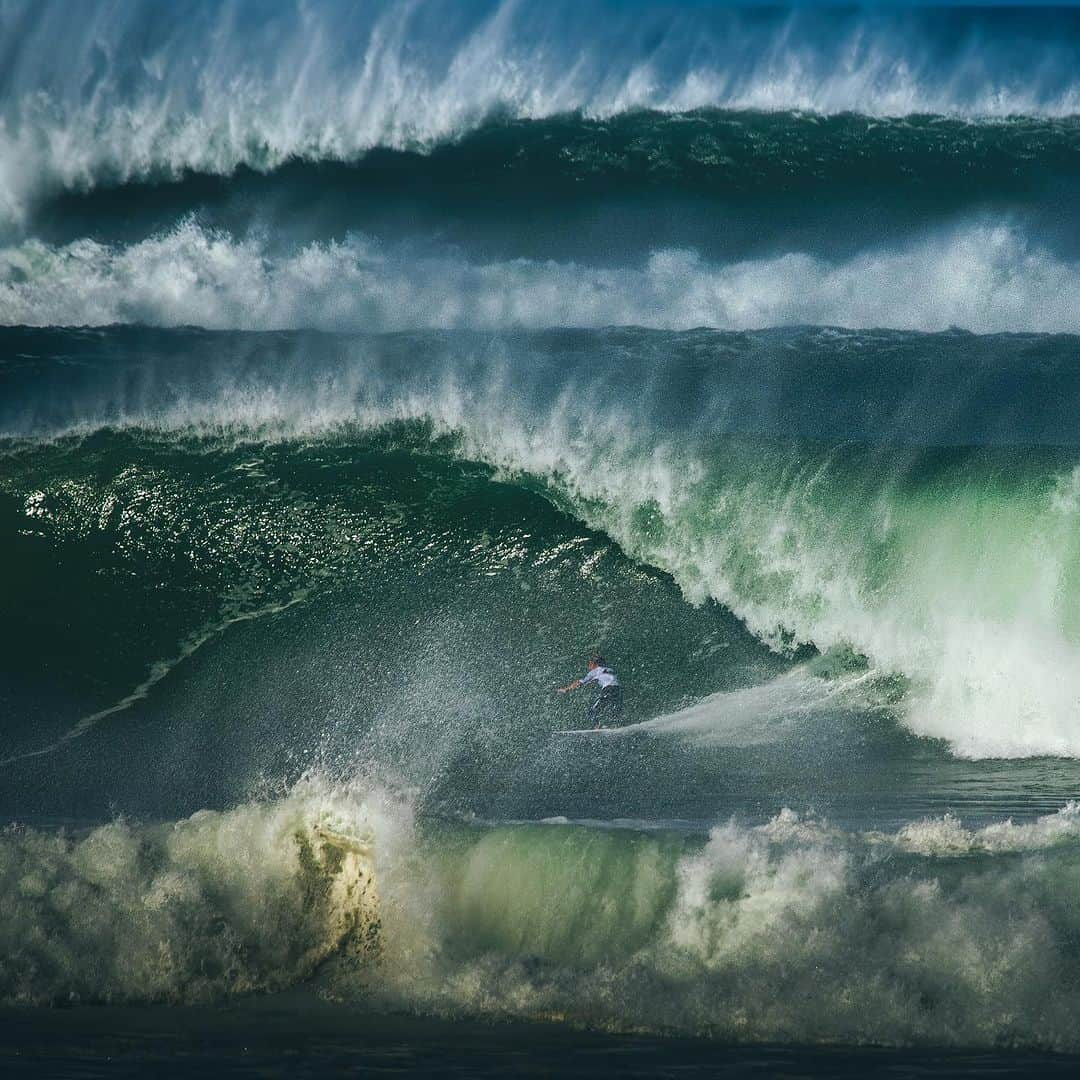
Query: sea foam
x=792, y=930
x=985, y=278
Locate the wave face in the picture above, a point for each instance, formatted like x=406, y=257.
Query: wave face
x=810, y=481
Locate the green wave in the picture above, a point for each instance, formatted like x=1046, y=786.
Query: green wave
x=415, y=583
x=909, y=498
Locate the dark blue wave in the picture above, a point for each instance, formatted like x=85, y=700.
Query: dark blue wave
x=724, y=183
x=101, y=93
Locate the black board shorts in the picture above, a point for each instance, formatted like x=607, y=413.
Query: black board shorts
x=607, y=707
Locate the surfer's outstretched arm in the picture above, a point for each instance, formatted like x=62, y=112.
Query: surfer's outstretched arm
x=571, y=686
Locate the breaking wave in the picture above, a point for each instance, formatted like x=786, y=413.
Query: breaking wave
x=104, y=94
x=793, y=930
x=251, y=899
x=815, y=491
x=363, y=365
x=986, y=279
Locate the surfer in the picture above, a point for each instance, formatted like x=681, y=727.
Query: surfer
x=608, y=701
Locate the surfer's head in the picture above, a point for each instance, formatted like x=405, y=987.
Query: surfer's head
x=596, y=660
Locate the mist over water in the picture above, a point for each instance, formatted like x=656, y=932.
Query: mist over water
x=110, y=93
x=365, y=367
x=733, y=474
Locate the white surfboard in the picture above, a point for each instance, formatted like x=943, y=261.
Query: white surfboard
x=589, y=731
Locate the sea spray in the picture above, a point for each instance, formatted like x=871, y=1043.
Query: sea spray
x=110, y=95
x=793, y=930
x=254, y=898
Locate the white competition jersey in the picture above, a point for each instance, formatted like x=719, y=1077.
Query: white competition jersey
x=603, y=676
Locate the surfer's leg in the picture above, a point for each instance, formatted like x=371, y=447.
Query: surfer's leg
x=592, y=715
x=607, y=708
x=615, y=708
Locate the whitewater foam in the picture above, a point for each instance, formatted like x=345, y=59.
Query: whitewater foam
x=254, y=898
x=790, y=931
x=947, y=836
x=983, y=278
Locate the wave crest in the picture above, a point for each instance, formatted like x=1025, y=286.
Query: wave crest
x=755, y=933
x=104, y=93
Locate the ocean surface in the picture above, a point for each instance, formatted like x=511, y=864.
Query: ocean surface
x=363, y=367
